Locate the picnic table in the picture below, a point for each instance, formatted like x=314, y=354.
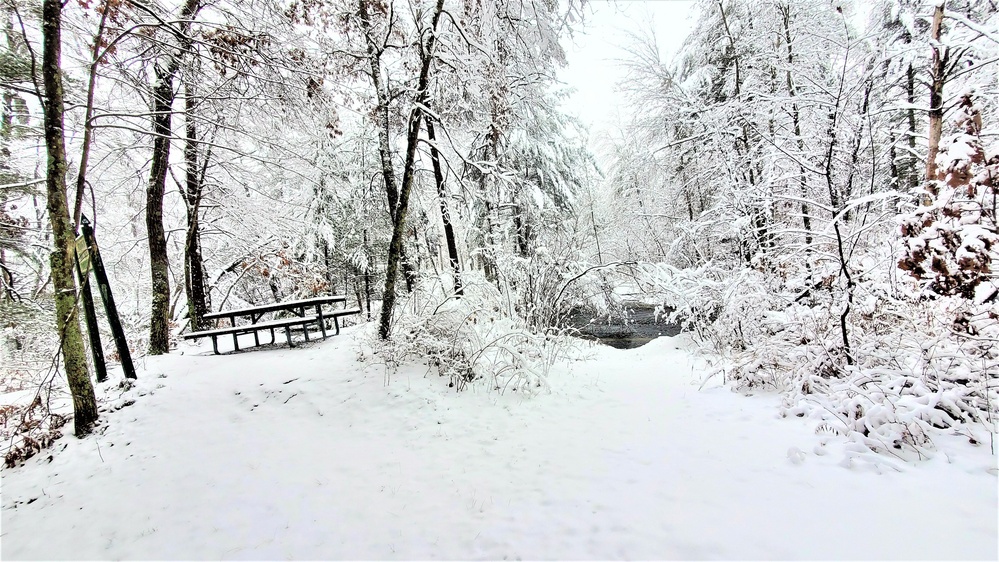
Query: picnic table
x=298, y=314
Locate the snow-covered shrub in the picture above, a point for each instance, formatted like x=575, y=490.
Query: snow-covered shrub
x=536, y=284
x=925, y=376
x=953, y=239
x=476, y=338
x=914, y=368
x=33, y=405
x=917, y=367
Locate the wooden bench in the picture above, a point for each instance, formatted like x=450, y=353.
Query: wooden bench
x=297, y=318
x=286, y=323
x=338, y=313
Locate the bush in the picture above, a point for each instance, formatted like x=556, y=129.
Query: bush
x=919, y=367
x=477, y=338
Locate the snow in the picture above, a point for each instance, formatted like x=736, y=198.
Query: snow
x=306, y=453
x=960, y=148
x=992, y=151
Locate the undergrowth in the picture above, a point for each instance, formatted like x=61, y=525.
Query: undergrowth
x=915, y=367
x=478, y=339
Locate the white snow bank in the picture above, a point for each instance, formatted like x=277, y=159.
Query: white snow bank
x=306, y=454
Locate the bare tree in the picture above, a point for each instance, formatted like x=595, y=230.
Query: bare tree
x=67, y=318
x=401, y=203
x=163, y=94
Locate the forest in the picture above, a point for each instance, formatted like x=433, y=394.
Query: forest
x=808, y=188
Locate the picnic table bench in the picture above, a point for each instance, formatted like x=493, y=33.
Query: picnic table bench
x=301, y=316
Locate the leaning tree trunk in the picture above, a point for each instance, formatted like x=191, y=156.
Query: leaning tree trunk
x=67, y=320
x=384, y=99
x=395, y=253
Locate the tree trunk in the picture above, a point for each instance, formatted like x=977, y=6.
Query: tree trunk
x=384, y=143
x=938, y=67
x=452, y=246
x=381, y=110
x=367, y=276
x=858, y=138
x=194, y=273
x=522, y=228
x=329, y=269
x=194, y=270
x=396, y=256
x=792, y=92
x=733, y=52
x=488, y=251
x=88, y=127
x=159, y=323
x=911, y=173
x=62, y=260
x=159, y=264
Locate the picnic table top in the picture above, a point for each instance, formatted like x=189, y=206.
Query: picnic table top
x=253, y=327
x=275, y=306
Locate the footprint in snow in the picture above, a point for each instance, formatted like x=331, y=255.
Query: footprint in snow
x=795, y=455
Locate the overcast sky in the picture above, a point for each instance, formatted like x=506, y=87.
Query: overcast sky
x=593, y=52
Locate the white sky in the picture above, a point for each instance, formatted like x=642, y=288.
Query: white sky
x=592, y=53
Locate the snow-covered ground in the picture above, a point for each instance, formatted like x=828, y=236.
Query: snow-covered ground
x=306, y=453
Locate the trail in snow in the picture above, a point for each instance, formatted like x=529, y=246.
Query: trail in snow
x=307, y=454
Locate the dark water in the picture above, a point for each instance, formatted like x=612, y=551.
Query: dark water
x=640, y=328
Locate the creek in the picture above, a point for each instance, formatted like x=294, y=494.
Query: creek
x=639, y=326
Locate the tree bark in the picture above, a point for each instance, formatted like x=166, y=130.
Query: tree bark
x=62, y=259
x=522, y=226
x=159, y=264
x=381, y=109
x=90, y=313
x=911, y=173
x=88, y=127
x=159, y=329
x=384, y=98
x=452, y=246
x=194, y=270
x=395, y=255
x=488, y=252
x=367, y=276
x=938, y=67
x=734, y=51
x=792, y=91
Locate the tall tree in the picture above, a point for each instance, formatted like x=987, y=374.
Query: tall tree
x=401, y=208
x=67, y=318
x=163, y=94
x=195, y=167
